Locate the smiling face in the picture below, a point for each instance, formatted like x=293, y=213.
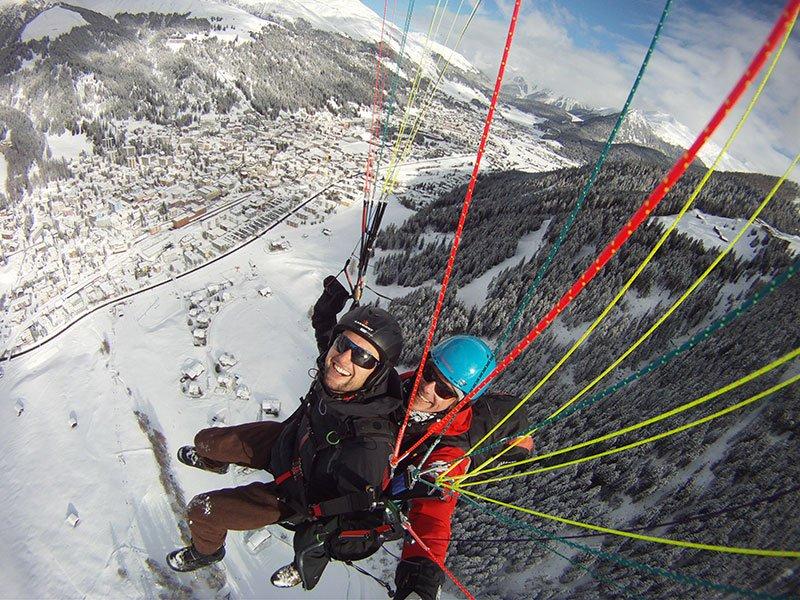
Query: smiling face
x=428, y=400
x=341, y=375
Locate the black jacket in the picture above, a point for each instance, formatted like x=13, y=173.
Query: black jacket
x=337, y=446
x=335, y=459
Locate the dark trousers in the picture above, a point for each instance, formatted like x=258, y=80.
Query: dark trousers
x=212, y=514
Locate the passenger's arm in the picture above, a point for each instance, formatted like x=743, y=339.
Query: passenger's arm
x=430, y=517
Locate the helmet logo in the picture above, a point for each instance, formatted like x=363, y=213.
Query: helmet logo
x=365, y=325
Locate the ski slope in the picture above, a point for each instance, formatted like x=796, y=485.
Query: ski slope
x=52, y=23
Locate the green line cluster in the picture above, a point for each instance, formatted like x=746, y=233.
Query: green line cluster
x=562, y=236
x=661, y=360
x=621, y=560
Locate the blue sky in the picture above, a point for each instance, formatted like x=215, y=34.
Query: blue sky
x=591, y=50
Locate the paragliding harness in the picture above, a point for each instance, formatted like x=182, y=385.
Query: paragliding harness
x=340, y=522
x=355, y=525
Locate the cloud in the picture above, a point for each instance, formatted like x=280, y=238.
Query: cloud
x=699, y=57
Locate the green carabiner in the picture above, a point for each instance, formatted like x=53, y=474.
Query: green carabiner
x=328, y=438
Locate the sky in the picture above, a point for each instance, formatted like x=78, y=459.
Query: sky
x=591, y=50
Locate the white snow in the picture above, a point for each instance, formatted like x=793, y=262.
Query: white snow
x=669, y=129
x=474, y=293
x=716, y=232
x=52, y=23
x=354, y=147
x=462, y=92
x=68, y=145
x=3, y=172
x=28, y=64
x=514, y=114
x=352, y=18
x=105, y=471
x=238, y=21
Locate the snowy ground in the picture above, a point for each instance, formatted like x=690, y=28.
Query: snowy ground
x=52, y=23
x=474, y=293
x=69, y=146
x=3, y=172
x=717, y=232
x=104, y=470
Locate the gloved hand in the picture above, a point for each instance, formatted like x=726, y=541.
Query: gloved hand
x=330, y=303
x=333, y=298
x=419, y=575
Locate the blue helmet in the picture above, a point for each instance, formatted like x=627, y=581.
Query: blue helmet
x=465, y=361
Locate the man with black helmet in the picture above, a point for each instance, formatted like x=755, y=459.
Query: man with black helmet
x=333, y=449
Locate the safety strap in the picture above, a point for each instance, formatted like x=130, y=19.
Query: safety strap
x=295, y=472
x=349, y=503
x=366, y=533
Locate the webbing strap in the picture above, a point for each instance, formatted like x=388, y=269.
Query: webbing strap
x=364, y=533
x=349, y=503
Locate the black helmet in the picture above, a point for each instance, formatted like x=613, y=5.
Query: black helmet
x=381, y=329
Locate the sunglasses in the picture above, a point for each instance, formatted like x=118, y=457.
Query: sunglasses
x=358, y=356
x=442, y=388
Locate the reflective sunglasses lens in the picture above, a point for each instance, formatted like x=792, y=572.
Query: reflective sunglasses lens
x=442, y=389
x=358, y=355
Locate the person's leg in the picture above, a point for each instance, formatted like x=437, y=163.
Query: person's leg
x=212, y=514
x=248, y=445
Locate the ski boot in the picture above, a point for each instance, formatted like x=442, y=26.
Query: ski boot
x=189, y=559
x=287, y=576
x=189, y=456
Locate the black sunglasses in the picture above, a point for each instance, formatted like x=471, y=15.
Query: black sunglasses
x=442, y=388
x=358, y=355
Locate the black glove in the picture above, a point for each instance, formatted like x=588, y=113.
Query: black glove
x=333, y=298
x=330, y=303
x=418, y=574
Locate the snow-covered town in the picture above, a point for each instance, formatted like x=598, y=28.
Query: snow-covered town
x=127, y=220
x=170, y=200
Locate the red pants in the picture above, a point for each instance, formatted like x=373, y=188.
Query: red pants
x=212, y=514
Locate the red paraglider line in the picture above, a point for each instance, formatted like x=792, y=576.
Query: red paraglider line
x=459, y=230
x=679, y=168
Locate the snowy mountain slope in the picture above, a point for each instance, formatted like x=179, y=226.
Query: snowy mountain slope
x=655, y=130
x=671, y=131
x=651, y=129
x=716, y=232
x=52, y=23
x=347, y=17
x=238, y=20
x=356, y=20
x=105, y=471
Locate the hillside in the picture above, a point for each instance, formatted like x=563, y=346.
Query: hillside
x=735, y=461
x=161, y=161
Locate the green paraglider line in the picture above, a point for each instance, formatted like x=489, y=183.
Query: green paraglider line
x=562, y=236
x=660, y=361
x=619, y=559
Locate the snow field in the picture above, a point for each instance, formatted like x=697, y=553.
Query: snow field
x=105, y=471
x=3, y=172
x=717, y=232
x=69, y=146
x=52, y=23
